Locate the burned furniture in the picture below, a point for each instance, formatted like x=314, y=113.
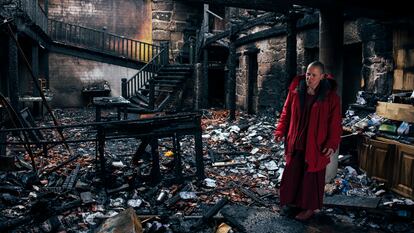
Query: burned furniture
x=95, y=90
x=149, y=131
x=120, y=103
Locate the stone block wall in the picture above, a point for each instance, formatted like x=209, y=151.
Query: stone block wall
x=271, y=75
x=376, y=58
x=175, y=22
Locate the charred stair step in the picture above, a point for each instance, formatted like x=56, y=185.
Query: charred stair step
x=139, y=98
x=175, y=68
x=166, y=85
x=159, y=90
x=173, y=73
x=171, y=77
x=172, y=81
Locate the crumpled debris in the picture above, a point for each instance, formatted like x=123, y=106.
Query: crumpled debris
x=258, y=164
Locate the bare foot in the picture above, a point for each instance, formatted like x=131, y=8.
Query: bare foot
x=304, y=215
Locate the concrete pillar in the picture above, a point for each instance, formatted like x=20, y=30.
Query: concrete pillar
x=13, y=74
x=331, y=40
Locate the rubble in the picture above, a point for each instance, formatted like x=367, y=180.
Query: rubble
x=243, y=165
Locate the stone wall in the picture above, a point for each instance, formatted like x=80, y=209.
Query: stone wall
x=376, y=59
x=269, y=89
x=175, y=22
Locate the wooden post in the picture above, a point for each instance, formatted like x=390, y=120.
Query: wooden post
x=199, y=154
x=198, y=88
x=177, y=159
x=204, y=81
x=124, y=88
x=231, y=80
x=151, y=103
x=103, y=39
x=13, y=73
x=191, y=52
x=35, y=67
x=155, y=169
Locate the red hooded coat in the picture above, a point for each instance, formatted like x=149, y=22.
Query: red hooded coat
x=324, y=129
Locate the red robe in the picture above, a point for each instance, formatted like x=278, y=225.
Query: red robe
x=324, y=128
x=310, y=125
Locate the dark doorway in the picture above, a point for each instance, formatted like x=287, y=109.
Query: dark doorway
x=351, y=74
x=252, y=94
x=216, y=87
x=216, y=76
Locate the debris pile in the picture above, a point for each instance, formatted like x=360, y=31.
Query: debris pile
x=243, y=165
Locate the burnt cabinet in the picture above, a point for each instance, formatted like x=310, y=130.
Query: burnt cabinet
x=363, y=151
x=403, y=177
x=388, y=161
x=376, y=158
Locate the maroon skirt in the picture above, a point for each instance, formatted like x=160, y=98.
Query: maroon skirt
x=301, y=188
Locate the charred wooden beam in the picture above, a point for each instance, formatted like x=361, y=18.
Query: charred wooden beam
x=177, y=197
x=155, y=170
x=275, y=6
x=367, y=8
x=267, y=33
x=177, y=159
x=210, y=213
x=70, y=180
x=243, y=26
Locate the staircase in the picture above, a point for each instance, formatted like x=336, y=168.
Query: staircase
x=157, y=83
x=164, y=88
x=99, y=45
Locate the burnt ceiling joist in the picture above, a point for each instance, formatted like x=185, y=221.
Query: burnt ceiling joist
x=359, y=8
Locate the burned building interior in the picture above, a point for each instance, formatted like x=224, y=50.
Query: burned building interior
x=158, y=115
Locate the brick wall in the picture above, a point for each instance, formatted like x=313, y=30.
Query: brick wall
x=129, y=18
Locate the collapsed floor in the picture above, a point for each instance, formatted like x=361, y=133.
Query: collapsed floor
x=243, y=166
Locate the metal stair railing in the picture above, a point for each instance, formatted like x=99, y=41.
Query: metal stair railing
x=101, y=41
x=145, y=77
